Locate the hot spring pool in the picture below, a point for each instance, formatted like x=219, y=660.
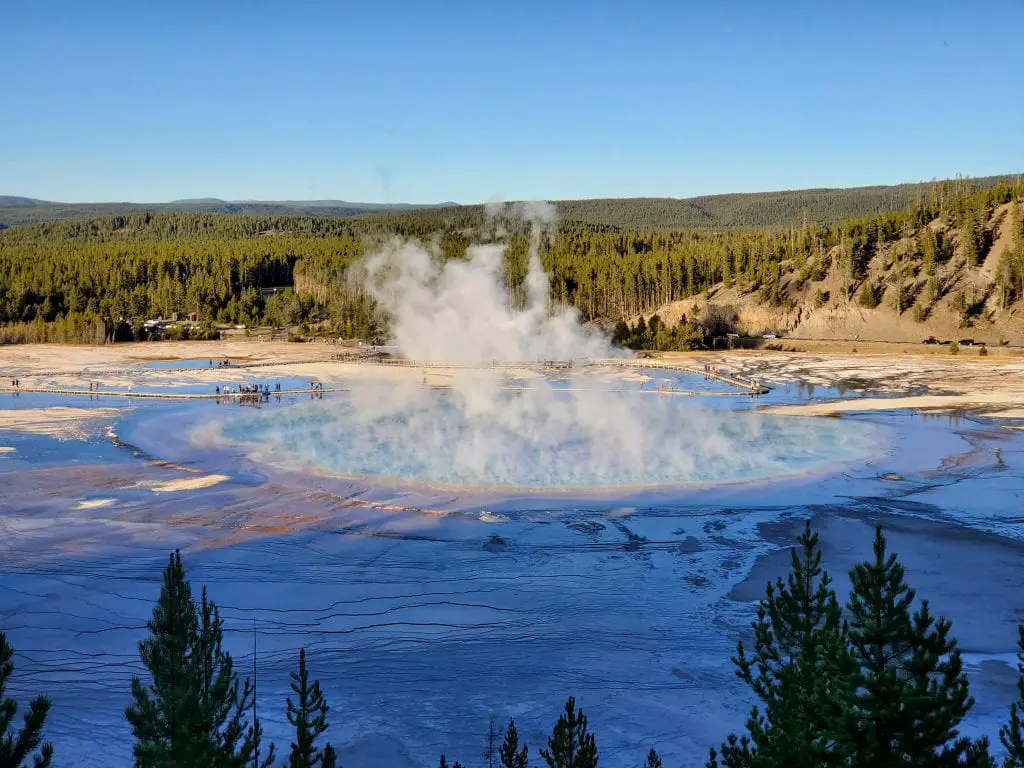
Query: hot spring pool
x=542, y=438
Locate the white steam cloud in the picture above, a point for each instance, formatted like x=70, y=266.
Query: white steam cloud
x=461, y=311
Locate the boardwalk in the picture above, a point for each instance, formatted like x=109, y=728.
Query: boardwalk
x=710, y=372
x=168, y=394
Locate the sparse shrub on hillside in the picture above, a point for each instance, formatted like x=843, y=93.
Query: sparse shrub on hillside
x=820, y=298
x=920, y=312
x=983, y=352
x=954, y=348
x=867, y=297
x=928, y=246
x=958, y=306
x=970, y=236
x=903, y=294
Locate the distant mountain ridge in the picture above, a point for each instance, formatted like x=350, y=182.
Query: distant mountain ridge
x=312, y=204
x=15, y=210
x=725, y=211
x=12, y=201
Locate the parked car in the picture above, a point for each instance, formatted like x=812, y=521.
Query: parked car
x=966, y=342
x=769, y=336
x=930, y=340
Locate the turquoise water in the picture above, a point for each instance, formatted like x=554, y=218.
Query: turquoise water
x=544, y=438
x=189, y=363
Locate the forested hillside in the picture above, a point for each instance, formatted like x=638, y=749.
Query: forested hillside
x=955, y=252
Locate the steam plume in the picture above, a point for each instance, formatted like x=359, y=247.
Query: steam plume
x=460, y=311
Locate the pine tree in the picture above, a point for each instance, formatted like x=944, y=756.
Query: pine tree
x=1016, y=223
x=653, y=761
x=444, y=763
x=510, y=754
x=570, y=744
x=929, y=247
x=15, y=749
x=308, y=716
x=910, y=690
x=1012, y=734
x=798, y=669
x=969, y=238
x=978, y=756
x=192, y=712
x=867, y=296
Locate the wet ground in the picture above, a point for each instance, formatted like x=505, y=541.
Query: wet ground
x=425, y=612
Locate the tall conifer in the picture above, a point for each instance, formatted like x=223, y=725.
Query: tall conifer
x=193, y=709
x=16, y=748
x=571, y=745
x=1012, y=734
x=910, y=691
x=510, y=754
x=308, y=715
x=798, y=667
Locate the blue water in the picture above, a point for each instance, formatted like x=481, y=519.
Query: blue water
x=190, y=363
x=545, y=438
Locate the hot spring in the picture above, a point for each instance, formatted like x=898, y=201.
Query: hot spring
x=482, y=432
x=594, y=428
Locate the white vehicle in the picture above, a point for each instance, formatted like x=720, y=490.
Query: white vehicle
x=769, y=336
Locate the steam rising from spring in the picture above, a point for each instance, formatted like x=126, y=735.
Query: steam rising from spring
x=461, y=311
x=493, y=427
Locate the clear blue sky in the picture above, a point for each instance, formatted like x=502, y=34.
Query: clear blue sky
x=416, y=101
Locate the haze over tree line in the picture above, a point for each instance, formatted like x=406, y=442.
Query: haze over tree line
x=97, y=280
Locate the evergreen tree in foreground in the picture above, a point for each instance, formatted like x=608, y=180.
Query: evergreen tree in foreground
x=910, y=692
x=571, y=745
x=192, y=712
x=510, y=754
x=653, y=761
x=444, y=763
x=1012, y=734
x=309, y=717
x=798, y=668
x=15, y=749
